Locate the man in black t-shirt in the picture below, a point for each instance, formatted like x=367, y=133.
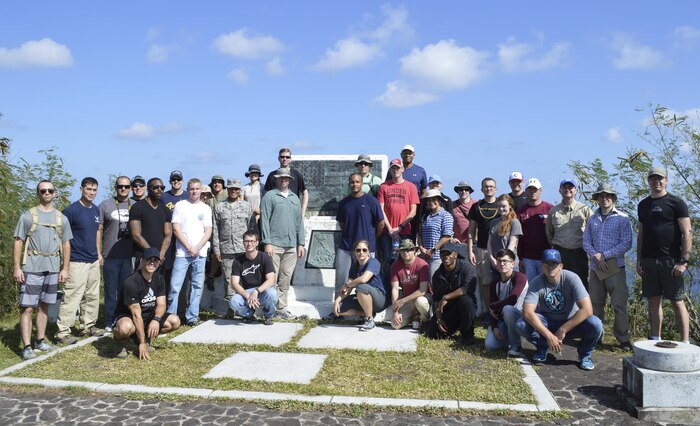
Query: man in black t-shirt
x=664, y=244
x=253, y=281
x=481, y=215
x=149, y=222
x=141, y=306
x=296, y=184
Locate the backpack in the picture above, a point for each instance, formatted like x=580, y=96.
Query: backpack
x=58, y=226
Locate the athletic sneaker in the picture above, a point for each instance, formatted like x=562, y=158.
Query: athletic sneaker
x=122, y=354
x=93, y=331
x=587, y=363
x=367, y=325
x=540, y=355
x=515, y=351
x=108, y=330
x=28, y=353
x=285, y=315
x=267, y=321
x=44, y=347
x=248, y=319
x=626, y=347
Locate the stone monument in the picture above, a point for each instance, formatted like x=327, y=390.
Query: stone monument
x=661, y=382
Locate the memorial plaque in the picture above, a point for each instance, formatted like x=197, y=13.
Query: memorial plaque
x=322, y=248
x=327, y=175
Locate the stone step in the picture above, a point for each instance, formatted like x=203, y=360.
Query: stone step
x=310, y=293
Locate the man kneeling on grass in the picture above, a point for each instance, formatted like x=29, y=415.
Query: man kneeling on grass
x=141, y=306
x=556, y=305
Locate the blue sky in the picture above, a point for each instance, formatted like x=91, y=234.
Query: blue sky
x=479, y=88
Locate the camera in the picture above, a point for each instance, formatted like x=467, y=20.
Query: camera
x=123, y=233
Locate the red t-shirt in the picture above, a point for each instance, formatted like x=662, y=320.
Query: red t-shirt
x=397, y=199
x=410, y=276
x=534, y=239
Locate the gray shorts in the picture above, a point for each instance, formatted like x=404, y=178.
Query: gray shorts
x=351, y=302
x=38, y=288
x=658, y=279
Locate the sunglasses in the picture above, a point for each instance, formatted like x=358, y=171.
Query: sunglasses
x=139, y=185
x=45, y=190
x=175, y=180
x=123, y=186
x=161, y=187
x=361, y=250
x=286, y=156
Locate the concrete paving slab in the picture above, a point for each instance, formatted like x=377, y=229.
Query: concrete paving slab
x=276, y=367
x=233, y=331
x=349, y=337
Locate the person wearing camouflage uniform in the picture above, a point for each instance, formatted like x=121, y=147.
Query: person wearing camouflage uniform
x=232, y=217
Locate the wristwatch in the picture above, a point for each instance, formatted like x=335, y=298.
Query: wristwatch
x=156, y=318
x=683, y=261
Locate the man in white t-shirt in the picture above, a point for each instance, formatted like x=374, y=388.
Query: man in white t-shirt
x=192, y=226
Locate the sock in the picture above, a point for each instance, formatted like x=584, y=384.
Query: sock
x=654, y=338
x=27, y=346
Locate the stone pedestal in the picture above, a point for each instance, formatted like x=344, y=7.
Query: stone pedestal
x=663, y=384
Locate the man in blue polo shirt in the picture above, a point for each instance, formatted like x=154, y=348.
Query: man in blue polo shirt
x=83, y=285
x=360, y=218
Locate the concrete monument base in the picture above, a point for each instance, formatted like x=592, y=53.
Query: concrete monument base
x=663, y=383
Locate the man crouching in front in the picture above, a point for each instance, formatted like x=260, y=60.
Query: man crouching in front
x=141, y=307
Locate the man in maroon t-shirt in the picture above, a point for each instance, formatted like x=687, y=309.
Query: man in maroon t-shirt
x=412, y=275
x=533, y=218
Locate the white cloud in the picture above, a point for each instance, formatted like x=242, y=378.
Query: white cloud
x=367, y=46
x=634, y=55
x=306, y=146
x=444, y=65
x=686, y=33
x=152, y=34
x=240, y=76
x=143, y=131
x=398, y=96
x=614, y=135
x=137, y=130
x=241, y=44
x=348, y=53
x=274, y=66
x=524, y=57
x=37, y=53
x=159, y=53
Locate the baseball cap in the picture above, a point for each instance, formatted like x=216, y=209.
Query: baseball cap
x=534, y=182
x=396, y=162
x=363, y=158
x=408, y=147
x=435, y=178
x=551, y=255
x=571, y=181
x=657, y=171
x=175, y=174
x=515, y=176
x=233, y=183
x=150, y=252
x=138, y=178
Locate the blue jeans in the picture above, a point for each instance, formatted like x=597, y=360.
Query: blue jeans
x=268, y=302
x=533, y=267
x=589, y=331
x=196, y=281
x=508, y=326
x=114, y=271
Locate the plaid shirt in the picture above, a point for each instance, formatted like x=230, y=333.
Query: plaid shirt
x=434, y=227
x=612, y=237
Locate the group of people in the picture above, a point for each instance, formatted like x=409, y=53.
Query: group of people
x=535, y=270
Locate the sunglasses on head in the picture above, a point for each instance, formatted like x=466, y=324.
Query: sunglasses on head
x=45, y=190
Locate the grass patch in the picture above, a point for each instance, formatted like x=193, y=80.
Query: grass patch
x=440, y=369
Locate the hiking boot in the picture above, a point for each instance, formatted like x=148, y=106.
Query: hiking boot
x=44, y=347
x=66, y=339
x=92, y=331
x=28, y=353
x=368, y=324
x=248, y=319
x=626, y=347
x=587, y=363
x=540, y=355
x=267, y=321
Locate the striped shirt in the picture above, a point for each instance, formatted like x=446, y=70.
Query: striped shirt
x=434, y=227
x=611, y=236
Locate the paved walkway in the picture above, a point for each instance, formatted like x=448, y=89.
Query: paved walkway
x=589, y=396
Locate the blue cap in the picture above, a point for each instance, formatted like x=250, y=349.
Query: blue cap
x=571, y=181
x=435, y=178
x=551, y=255
x=150, y=252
